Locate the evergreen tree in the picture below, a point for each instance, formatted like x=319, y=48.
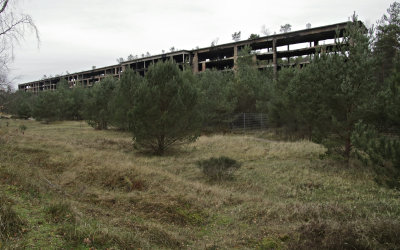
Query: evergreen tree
x=78, y=95
x=387, y=43
x=123, y=100
x=329, y=96
x=279, y=108
x=165, y=110
x=71, y=101
x=352, y=87
x=392, y=94
x=19, y=103
x=381, y=150
x=386, y=50
x=248, y=83
x=97, y=109
x=215, y=103
x=46, y=106
x=306, y=99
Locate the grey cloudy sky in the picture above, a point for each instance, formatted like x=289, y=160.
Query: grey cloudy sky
x=76, y=34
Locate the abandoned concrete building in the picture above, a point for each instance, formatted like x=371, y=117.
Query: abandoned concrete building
x=274, y=51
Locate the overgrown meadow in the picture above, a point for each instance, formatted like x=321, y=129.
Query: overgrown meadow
x=65, y=185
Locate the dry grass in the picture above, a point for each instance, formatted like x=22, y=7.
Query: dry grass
x=283, y=196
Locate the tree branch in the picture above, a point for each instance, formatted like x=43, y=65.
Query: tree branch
x=4, y=6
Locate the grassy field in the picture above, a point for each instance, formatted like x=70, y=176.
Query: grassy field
x=66, y=185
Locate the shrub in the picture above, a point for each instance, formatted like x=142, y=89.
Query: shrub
x=22, y=128
x=10, y=223
x=221, y=168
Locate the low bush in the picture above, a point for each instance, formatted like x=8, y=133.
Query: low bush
x=22, y=128
x=221, y=168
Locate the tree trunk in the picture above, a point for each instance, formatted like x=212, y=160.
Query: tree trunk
x=347, y=149
x=161, y=145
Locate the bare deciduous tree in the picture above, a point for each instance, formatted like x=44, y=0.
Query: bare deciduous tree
x=13, y=27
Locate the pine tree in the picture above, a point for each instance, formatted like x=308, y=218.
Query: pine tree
x=248, y=83
x=123, y=99
x=71, y=101
x=46, y=106
x=215, y=101
x=380, y=150
x=97, y=111
x=19, y=103
x=387, y=42
x=352, y=88
x=165, y=110
x=329, y=96
x=306, y=99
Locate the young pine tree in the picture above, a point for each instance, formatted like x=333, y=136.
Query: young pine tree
x=165, y=110
x=97, y=111
x=215, y=103
x=387, y=42
x=248, y=83
x=351, y=87
x=46, y=106
x=123, y=100
x=71, y=101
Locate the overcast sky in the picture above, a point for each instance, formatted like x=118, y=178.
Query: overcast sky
x=76, y=35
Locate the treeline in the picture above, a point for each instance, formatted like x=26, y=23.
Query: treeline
x=165, y=106
x=347, y=99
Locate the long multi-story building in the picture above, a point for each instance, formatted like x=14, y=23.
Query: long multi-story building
x=274, y=51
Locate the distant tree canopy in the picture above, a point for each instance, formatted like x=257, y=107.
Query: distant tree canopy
x=236, y=36
x=253, y=36
x=285, y=28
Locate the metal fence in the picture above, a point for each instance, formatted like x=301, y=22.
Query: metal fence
x=249, y=121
